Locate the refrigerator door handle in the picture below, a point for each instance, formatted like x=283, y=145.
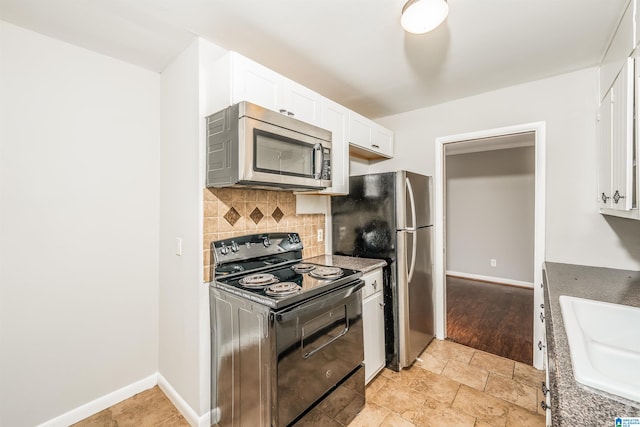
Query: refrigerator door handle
x=413, y=205
x=412, y=229
x=413, y=254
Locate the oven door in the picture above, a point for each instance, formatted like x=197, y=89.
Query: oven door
x=318, y=343
x=284, y=157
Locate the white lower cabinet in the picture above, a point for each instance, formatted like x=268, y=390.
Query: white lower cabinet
x=373, y=324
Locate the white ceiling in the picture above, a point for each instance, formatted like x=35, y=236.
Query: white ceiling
x=352, y=51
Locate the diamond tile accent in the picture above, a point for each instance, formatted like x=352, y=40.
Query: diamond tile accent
x=232, y=216
x=256, y=215
x=277, y=214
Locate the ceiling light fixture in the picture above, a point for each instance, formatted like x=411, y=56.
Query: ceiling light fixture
x=421, y=16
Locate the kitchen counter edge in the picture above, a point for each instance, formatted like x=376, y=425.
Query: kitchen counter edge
x=364, y=265
x=571, y=402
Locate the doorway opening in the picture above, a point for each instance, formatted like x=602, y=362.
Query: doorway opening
x=488, y=210
x=491, y=155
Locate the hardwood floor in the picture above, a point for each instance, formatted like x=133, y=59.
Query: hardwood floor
x=490, y=317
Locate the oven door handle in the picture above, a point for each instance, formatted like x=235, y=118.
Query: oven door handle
x=319, y=303
x=314, y=351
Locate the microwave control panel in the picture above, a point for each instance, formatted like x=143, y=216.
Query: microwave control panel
x=326, y=164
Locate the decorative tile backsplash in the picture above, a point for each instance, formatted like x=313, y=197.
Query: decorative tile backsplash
x=231, y=212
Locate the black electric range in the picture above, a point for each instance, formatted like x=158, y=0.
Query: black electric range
x=268, y=269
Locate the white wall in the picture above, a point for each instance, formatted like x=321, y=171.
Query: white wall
x=79, y=191
x=575, y=232
x=490, y=213
x=184, y=315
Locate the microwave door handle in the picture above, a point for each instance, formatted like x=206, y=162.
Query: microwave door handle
x=318, y=168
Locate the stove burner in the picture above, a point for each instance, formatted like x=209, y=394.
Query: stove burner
x=326, y=273
x=282, y=289
x=302, y=267
x=258, y=280
x=228, y=269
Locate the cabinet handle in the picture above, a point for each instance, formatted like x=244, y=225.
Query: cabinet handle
x=290, y=113
x=381, y=304
x=617, y=197
x=604, y=198
x=282, y=110
x=542, y=317
x=542, y=306
x=544, y=405
x=375, y=284
x=540, y=345
x=375, y=146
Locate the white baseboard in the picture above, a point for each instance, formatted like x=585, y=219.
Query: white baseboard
x=491, y=279
x=95, y=406
x=187, y=411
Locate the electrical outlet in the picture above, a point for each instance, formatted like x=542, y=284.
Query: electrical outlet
x=493, y=263
x=320, y=234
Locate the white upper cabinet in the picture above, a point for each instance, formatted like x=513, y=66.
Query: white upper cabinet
x=335, y=118
x=383, y=140
x=618, y=178
x=367, y=139
x=303, y=103
x=258, y=84
x=617, y=191
x=622, y=44
x=605, y=119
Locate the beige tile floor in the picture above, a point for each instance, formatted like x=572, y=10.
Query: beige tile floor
x=147, y=409
x=454, y=385
x=451, y=385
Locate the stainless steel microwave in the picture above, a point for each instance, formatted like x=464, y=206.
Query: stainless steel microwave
x=248, y=145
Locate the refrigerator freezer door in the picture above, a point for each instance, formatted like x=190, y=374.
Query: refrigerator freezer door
x=364, y=221
x=417, y=188
x=415, y=296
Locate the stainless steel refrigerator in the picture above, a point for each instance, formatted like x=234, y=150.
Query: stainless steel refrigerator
x=388, y=216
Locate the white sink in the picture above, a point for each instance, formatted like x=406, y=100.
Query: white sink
x=604, y=341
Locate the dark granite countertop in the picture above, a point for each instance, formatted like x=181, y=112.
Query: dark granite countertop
x=571, y=402
x=361, y=264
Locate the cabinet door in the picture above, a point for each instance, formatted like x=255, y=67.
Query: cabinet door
x=618, y=51
x=373, y=322
x=616, y=173
x=255, y=83
x=367, y=139
x=302, y=103
x=383, y=140
x=334, y=118
x=260, y=85
x=604, y=152
x=622, y=139
x=360, y=130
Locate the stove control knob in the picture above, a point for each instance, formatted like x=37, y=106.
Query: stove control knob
x=234, y=247
x=266, y=242
x=224, y=249
x=293, y=239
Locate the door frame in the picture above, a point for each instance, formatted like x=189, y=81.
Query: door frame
x=539, y=130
